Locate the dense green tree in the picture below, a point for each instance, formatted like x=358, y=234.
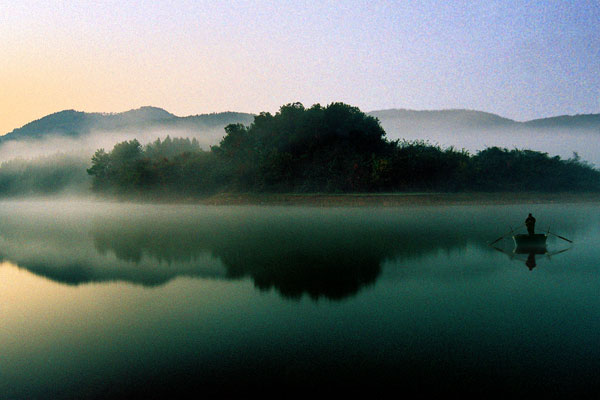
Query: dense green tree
x=320, y=148
x=171, y=147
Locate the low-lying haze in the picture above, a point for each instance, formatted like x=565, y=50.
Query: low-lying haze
x=462, y=129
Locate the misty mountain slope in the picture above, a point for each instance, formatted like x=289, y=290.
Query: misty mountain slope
x=476, y=130
x=412, y=121
x=580, y=121
x=77, y=123
x=397, y=122
x=81, y=132
x=448, y=119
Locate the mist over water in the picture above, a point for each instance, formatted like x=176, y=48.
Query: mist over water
x=108, y=299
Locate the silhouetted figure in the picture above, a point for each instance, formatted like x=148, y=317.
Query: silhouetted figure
x=530, y=224
x=530, y=260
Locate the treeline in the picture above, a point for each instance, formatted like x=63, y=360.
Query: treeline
x=50, y=175
x=326, y=149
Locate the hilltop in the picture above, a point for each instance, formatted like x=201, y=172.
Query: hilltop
x=471, y=130
x=397, y=122
x=401, y=122
x=77, y=123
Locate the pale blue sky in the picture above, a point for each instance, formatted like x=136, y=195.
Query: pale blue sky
x=519, y=59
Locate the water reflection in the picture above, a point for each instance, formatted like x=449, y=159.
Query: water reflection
x=294, y=254
x=530, y=253
x=531, y=261
x=427, y=303
x=329, y=253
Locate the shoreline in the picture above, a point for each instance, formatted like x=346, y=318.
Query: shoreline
x=406, y=199
x=391, y=199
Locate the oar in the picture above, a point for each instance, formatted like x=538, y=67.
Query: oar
x=510, y=255
x=560, y=237
x=503, y=236
x=558, y=252
x=497, y=249
x=500, y=238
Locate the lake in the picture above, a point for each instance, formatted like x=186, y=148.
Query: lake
x=108, y=300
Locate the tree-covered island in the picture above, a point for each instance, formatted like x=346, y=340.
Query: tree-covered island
x=332, y=149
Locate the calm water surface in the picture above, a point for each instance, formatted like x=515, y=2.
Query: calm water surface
x=106, y=300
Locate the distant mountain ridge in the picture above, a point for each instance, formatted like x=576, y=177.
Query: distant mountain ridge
x=582, y=121
x=448, y=115
x=473, y=119
x=82, y=133
x=76, y=123
x=565, y=135
x=398, y=123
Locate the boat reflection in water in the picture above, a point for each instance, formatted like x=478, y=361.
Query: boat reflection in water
x=530, y=245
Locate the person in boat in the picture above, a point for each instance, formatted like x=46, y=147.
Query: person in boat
x=530, y=224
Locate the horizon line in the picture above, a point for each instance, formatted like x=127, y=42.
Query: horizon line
x=108, y=113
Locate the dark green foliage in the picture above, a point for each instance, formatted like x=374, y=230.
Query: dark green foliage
x=326, y=149
x=421, y=166
x=317, y=149
x=168, y=166
x=171, y=147
x=501, y=169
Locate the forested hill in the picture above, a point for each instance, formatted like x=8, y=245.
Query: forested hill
x=336, y=148
x=77, y=123
x=397, y=123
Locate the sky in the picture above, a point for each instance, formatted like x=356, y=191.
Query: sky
x=520, y=59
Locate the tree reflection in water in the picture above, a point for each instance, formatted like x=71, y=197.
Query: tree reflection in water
x=323, y=253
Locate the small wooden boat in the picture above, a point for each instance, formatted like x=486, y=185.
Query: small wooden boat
x=534, y=242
